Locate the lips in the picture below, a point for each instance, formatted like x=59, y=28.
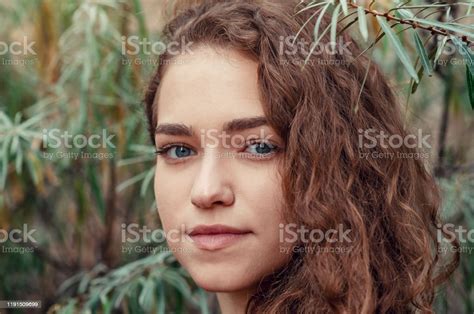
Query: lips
x=215, y=237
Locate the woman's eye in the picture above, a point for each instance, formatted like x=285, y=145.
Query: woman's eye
x=261, y=148
x=175, y=151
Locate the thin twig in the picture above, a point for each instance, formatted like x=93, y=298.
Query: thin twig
x=413, y=24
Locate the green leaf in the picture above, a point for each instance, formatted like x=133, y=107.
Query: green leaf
x=445, y=26
x=146, y=296
x=5, y=120
x=19, y=160
x=4, y=166
x=146, y=181
x=399, y=50
x=464, y=52
x=317, y=39
x=140, y=15
x=425, y=61
x=31, y=121
x=470, y=86
x=310, y=7
x=440, y=49
x=363, y=23
x=161, y=299
x=414, y=85
x=97, y=192
x=335, y=15
x=405, y=14
x=318, y=21
x=345, y=9
x=203, y=302
x=178, y=282
x=132, y=180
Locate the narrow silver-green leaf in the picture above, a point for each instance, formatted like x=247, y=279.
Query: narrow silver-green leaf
x=425, y=61
x=146, y=296
x=310, y=7
x=465, y=53
x=440, y=49
x=19, y=160
x=363, y=23
x=345, y=9
x=399, y=50
x=335, y=15
x=203, y=302
x=146, y=181
x=470, y=86
x=318, y=21
x=445, y=26
x=406, y=14
x=161, y=299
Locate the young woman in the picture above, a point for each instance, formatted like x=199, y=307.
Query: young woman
x=272, y=174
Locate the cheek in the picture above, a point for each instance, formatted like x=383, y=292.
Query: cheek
x=259, y=202
x=265, y=202
x=169, y=196
x=263, y=194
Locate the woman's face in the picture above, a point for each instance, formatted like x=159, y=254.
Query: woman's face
x=218, y=192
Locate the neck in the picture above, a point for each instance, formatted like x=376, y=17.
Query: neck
x=234, y=302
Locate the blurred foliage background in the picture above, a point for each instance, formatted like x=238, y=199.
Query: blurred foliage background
x=80, y=78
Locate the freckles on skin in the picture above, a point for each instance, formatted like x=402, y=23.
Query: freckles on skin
x=205, y=90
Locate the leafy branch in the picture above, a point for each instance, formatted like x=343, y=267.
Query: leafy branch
x=461, y=35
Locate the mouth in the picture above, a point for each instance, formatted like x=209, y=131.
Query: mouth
x=215, y=237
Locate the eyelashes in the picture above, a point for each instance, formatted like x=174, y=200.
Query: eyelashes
x=254, y=149
x=166, y=149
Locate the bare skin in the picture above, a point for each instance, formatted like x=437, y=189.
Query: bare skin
x=229, y=181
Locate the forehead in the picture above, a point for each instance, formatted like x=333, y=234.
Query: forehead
x=208, y=87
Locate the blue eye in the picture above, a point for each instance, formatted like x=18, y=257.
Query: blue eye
x=175, y=151
x=261, y=148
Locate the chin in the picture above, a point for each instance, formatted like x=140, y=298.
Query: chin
x=221, y=280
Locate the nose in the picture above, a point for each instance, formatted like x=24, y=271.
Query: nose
x=211, y=186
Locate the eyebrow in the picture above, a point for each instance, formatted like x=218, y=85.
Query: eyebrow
x=179, y=129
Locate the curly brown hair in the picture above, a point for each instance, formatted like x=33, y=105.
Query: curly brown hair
x=319, y=109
